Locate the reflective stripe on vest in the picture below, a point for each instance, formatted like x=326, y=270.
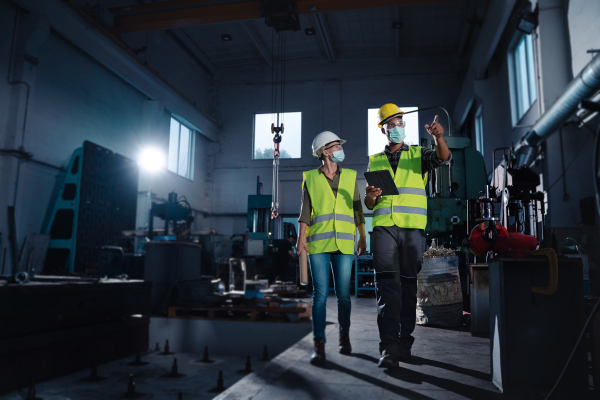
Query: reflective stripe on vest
x=332, y=225
x=327, y=217
x=329, y=235
x=408, y=209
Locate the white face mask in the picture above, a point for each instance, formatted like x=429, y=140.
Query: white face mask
x=396, y=134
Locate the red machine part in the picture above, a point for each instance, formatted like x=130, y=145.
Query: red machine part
x=508, y=243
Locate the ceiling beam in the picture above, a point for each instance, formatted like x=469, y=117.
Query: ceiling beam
x=190, y=45
x=324, y=36
x=180, y=13
x=260, y=46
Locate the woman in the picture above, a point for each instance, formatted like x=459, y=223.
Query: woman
x=331, y=212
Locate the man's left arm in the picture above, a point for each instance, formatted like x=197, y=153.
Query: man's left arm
x=430, y=159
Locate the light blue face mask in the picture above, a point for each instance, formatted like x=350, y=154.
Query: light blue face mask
x=337, y=156
x=397, y=134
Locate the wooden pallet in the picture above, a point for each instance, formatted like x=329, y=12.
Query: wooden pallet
x=239, y=312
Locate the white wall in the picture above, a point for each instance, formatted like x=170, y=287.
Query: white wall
x=583, y=17
x=74, y=98
x=331, y=96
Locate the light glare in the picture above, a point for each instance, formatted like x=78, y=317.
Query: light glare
x=151, y=160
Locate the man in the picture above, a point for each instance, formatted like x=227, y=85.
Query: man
x=398, y=231
x=283, y=257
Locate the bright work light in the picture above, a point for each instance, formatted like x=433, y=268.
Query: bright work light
x=151, y=160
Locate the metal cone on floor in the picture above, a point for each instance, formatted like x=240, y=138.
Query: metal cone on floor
x=94, y=375
x=248, y=368
x=205, y=358
x=167, y=350
x=31, y=392
x=138, y=360
x=131, y=393
x=265, y=356
x=174, y=371
x=220, y=385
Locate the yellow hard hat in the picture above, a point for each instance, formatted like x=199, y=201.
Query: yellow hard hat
x=388, y=111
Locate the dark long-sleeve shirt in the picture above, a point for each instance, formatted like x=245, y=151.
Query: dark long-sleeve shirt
x=429, y=159
x=306, y=208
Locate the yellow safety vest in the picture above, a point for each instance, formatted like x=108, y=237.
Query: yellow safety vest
x=409, y=208
x=332, y=225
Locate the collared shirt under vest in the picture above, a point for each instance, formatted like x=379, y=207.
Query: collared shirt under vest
x=332, y=226
x=408, y=209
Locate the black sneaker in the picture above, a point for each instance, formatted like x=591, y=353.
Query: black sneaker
x=388, y=361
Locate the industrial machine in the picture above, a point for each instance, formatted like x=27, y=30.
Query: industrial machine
x=511, y=214
x=449, y=189
x=97, y=200
x=174, y=211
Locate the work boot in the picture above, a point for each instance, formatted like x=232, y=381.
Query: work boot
x=318, y=356
x=345, y=347
x=404, y=354
x=388, y=361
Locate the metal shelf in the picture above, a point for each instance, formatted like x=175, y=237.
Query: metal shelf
x=356, y=274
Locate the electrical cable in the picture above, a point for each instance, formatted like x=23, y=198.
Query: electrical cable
x=17, y=82
x=431, y=108
x=595, y=168
x=569, y=165
x=574, y=349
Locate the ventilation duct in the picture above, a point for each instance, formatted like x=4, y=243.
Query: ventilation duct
x=581, y=87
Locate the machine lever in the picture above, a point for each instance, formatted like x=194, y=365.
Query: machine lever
x=553, y=280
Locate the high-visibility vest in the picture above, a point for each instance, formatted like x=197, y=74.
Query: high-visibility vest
x=409, y=208
x=332, y=226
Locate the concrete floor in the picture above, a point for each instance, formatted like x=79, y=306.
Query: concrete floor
x=446, y=364
x=199, y=379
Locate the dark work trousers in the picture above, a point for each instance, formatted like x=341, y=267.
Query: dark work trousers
x=397, y=259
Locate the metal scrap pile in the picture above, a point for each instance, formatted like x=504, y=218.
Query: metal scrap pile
x=435, y=251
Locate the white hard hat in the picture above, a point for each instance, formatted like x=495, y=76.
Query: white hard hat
x=322, y=139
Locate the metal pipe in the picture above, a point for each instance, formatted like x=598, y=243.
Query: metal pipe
x=582, y=86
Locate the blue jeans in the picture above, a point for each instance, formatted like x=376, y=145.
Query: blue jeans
x=319, y=270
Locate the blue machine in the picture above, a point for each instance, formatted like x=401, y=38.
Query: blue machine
x=96, y=201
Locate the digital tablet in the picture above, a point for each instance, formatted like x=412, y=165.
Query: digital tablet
x=382, y=180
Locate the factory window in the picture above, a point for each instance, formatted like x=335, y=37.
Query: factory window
x=378, y=141
x=181, y=149
x=290, y=140
x=522, y=77
x=479, y=130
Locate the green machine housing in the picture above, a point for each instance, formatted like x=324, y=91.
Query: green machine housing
x=450, y=186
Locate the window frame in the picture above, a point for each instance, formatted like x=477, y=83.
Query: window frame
x=519, y=109
x=253, y=147
x=191, y=149
x=479, y=129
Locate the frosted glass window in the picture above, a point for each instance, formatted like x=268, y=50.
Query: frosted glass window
x=181, y=149
x=290, y=145
x=522, y=78
x=378, y=141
